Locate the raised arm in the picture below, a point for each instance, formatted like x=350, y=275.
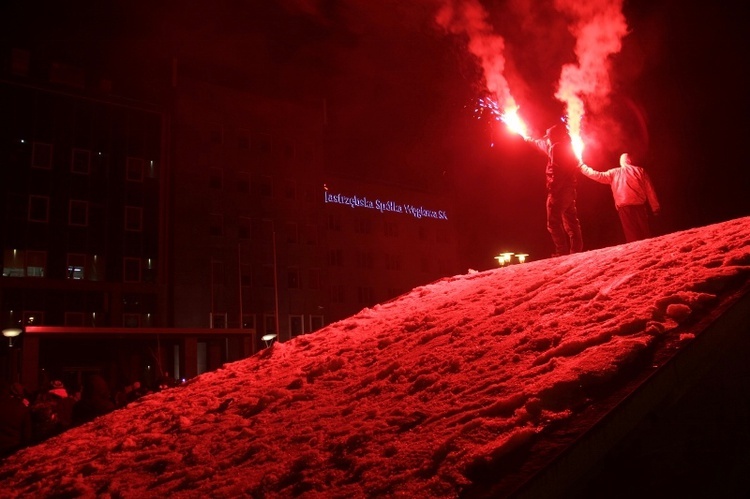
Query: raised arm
x=601, y=177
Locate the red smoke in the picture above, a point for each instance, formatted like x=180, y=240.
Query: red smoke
x=597, y=27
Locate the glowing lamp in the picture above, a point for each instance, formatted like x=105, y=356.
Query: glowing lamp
x=521, y=257
x=11, y=333
x=503, y=258
x=268, y=339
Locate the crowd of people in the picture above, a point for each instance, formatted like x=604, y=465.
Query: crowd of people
x=30, y=418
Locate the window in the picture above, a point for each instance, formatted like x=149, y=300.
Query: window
x=75, y=319
x=287, y=148
x=152, y=169
x=292, y=232
x=216, y=134
x=248, y=321
x=33, y=318
x=316, y=322
x=243, y=182
x=266, y=276
x=149, y=270
x=133, y=218
x=314, y=279
x=76, y=266
x=290, y=189
x=296, y=325
x=243, y=140
x=269, y=323
x=365, y=295
x=41, y=155
x=311, y=234
x=246, y=276
x=38, y=209
x=244, y=228
x=335, y=257
x=131, y=320
x=267, y=229
x=365, y=259
x=363, y=225
x=334, y=222
x=216, y=178
x=216, y=227
x=392, y=262
x=78, y=213
x=131, y=269
x=36, y=263
x=337, y=293
x=80, y=161
x=134, y=168
x=293, y=278
x=264, y=144
x=265, y=185
x=218, y=320
x=95, y=268
x=424, y=264
x=14, y=263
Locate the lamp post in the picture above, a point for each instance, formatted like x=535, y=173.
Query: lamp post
x=11, y=333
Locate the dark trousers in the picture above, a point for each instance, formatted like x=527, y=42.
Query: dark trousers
x=634, y=220
x=562, y=221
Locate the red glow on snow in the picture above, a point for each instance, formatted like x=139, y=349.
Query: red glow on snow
x=409, y=398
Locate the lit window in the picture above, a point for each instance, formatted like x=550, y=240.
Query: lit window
x=36, y=263
x=14, y=263
x=76, y=266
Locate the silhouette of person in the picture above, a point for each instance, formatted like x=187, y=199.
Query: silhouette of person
x=15, y=419
x=562, y=167
x=633, y=194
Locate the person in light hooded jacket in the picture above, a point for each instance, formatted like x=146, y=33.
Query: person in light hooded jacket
x=633, y=194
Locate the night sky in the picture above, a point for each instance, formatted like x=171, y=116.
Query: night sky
x=400, y=95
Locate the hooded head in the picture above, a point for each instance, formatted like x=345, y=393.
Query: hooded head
x=556, y=133
x=625, y=159
x=56, y=387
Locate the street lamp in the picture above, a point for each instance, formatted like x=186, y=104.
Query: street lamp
x=503, y=258
x=11, y=333
x=268, y=339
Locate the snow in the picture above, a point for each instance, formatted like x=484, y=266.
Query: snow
x=409, y=398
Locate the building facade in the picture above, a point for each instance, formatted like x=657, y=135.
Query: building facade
x=172, y=234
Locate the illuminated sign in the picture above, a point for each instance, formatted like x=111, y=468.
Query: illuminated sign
x=384, y=206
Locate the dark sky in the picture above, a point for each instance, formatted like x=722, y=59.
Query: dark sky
x=401, y=93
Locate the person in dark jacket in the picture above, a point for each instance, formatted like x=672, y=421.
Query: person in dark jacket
x=562, y=168
x=96, y=400
x=51, y=411
x=633, y=194
x=15, y=420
